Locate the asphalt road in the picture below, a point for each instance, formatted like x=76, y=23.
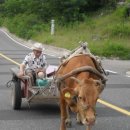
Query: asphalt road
x=47, y=116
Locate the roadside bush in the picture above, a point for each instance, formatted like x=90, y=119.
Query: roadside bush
x=123, y=11
x=65, y=11
x=14, y=7
x=24, y=26
x=111, y=50
x=120, y=30
x=116, y=50
x=1, y=20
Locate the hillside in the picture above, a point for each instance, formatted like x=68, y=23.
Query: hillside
x=107, y=30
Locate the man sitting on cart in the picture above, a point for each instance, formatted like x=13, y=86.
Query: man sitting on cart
x=34, y=64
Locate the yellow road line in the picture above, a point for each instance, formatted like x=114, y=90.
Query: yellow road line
x=7, y=58
x=114, y=107
x=99, y=100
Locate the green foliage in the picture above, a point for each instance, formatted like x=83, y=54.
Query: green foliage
x=1, y=20
x=121, y=12
x=116, y=50
x=120, y=30
x=111, y=50
x=24, y=25
x=64, y=11
x=14, y=7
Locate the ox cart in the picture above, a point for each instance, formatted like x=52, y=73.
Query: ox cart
x=22, y=89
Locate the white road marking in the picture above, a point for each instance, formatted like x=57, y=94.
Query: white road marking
x=111, y=72
x=13, y=39
x=21, y=43
x=127, y=75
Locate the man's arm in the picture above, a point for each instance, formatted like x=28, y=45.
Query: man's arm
x=21, y=70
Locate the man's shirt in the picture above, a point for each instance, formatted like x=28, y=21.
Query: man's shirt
x=32, y=62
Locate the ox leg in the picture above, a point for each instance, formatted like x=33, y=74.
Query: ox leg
x=78, y=118
x=68, y=120
x=88, y=128
x=63, y=113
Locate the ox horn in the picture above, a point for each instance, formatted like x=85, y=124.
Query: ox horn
x=75, y=79
x=83, y=69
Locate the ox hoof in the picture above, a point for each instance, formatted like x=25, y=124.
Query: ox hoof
x=79, y=122
x=68, y=123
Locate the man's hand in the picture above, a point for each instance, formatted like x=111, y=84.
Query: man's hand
x=20, y=74
x=21, y=70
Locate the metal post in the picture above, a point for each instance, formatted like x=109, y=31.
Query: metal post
x=52, y=27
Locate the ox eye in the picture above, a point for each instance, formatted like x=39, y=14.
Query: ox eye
x=80, y=98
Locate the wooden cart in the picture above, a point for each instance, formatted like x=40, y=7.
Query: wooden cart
x=22, y=88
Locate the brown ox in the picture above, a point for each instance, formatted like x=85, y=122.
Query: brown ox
x=80, y=85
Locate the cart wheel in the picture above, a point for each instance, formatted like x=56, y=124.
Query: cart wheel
x=16, y=95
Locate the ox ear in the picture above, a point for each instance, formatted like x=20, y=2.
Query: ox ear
x=99, y=85
x=68, y=93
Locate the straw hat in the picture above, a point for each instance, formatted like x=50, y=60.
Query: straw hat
x=37, y=46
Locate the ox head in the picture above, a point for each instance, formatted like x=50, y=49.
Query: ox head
x=82, y=99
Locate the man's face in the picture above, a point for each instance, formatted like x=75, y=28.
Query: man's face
x=37, y=53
